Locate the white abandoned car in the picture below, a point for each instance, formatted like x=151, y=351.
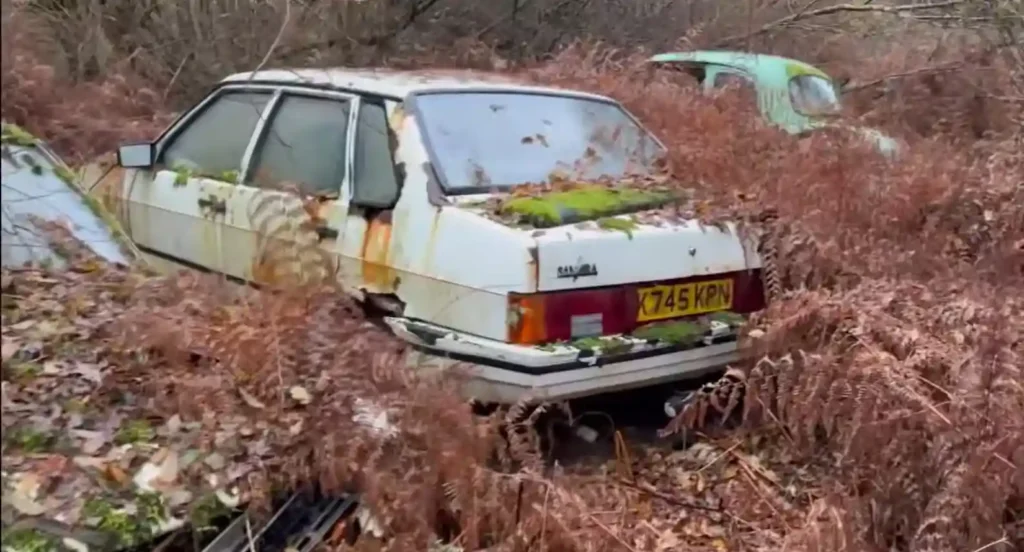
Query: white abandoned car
x=404, y=182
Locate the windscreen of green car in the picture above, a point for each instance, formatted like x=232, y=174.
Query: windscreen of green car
x=813, y=96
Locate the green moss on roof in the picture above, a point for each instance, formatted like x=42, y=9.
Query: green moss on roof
x=583, y=203
x=15, y=135
x=796, y=69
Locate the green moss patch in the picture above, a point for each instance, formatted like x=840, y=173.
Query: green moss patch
x=16, y=136
x=21, y=370
x=581, y=204
x=30, y=440
x=683, y=332
x=796, y=69
x=729, y=318
x=619, y=224
x=128, y=527
x=608, y=346
x=207, y=511
x=135, y=431
x=30, y=540
x=184, y=173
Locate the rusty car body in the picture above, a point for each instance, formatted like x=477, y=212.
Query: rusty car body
x=793, y=95
x=381, y=181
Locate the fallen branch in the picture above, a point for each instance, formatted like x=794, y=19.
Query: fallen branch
x=646, y=489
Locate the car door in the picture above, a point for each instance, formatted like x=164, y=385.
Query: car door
x=175, y=209
x=283, y=219
x=372, y=260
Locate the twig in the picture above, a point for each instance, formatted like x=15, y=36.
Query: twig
x=945, y=68
x=166, y=542
x=622, y=457
x=991, y=544
x=757, y=489
x=665, y=497
x=277, y=39
x=511, y=14
x=248, y=535
x=174, y=78
x=544, y=519
x=596, y=521
x=759, y=472
x=415, y=11
x=719, y=457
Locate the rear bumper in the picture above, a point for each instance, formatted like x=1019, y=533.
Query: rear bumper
x=503, y=373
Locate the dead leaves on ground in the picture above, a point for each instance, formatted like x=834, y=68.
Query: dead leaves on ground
x=79, y=452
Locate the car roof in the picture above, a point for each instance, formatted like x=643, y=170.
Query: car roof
x=400, y=83
x=745, y=61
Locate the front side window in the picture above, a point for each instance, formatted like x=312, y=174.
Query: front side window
x=482, y=141
x=214, y=141
x=304, y=146
x=813, y=95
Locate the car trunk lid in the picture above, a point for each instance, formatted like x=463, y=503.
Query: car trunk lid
x=612, y=261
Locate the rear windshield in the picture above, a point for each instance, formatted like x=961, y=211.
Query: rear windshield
x=482, y=141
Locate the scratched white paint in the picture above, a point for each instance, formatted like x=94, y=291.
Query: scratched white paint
x=458, y=267
x=675, y=250
x=398, y=84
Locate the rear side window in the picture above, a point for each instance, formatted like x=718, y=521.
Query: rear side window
x=375, y=181
x=305, y=145
x=214, y=141
x=723, y=80
x=737, y=82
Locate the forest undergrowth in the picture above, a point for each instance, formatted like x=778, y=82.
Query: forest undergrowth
x=884, y=409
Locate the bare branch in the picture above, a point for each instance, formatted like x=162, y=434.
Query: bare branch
x=945, y=68
x=805, y=13
x=417, y=10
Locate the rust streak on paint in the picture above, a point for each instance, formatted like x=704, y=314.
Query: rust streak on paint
x=378, y=274
x=428, y=255
x=533, y=269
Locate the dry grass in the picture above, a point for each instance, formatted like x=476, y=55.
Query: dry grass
x=890, y=379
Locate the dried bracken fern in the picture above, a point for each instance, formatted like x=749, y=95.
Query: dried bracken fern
x=888, y=371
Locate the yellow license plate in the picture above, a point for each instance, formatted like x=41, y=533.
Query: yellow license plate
x=671, y=301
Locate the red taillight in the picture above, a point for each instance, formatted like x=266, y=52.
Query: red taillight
x=563, y=315
x=525, y=319
x=749, y=290
x=566, y=315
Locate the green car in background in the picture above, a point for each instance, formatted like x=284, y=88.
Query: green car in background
x=791, y=94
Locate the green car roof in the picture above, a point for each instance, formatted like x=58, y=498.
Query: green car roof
x=745, y=61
